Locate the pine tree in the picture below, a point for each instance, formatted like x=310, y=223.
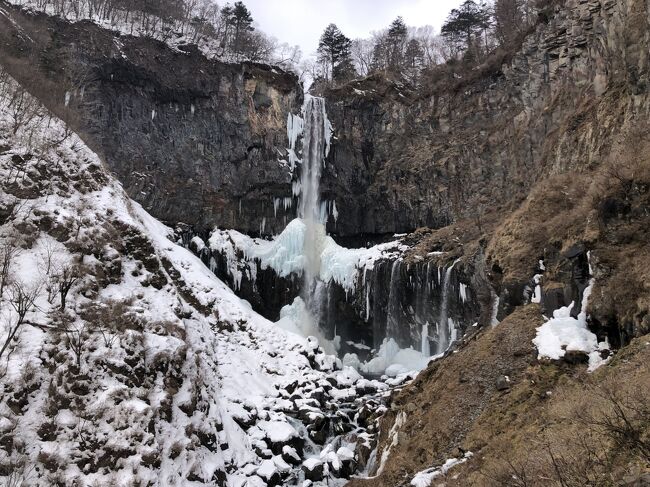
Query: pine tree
x=380, y=55
x=396, y=43
x=240, y=19
x=465, y=24
x=413, y=60
x=334, y=51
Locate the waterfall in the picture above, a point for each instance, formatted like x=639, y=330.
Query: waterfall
x=393, y=311
x=444, y=332
x=316, y=143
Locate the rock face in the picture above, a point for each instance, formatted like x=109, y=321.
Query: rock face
x=393, y=299
x=402, y=160
x=193, y=140
x=203, y=144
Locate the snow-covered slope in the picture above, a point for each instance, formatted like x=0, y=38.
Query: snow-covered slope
x=132, y=364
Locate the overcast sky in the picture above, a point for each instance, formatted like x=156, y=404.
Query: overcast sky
x=301, y=22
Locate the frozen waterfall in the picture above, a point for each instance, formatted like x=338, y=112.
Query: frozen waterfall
x=316, y=143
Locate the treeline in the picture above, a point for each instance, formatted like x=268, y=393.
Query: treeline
x=470, y=34
x=226, y=32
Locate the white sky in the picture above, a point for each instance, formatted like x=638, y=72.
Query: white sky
x=302, y=22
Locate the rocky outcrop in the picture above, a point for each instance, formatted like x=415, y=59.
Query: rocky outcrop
x=193, y=140
x=478, y=140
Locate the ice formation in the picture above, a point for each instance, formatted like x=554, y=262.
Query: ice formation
x=563, y=333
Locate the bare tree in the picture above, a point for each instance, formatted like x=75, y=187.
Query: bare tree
x=436, y=51
x=22, y=108
x=111, y=318
x=77, y=335
x=49, y=263
x=67, y=277
x=8, y=252
x=285, y=54
x=23, y=300
x=361, y=51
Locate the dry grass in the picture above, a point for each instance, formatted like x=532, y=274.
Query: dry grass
x=556, y=426
x=451, y=394
x=606, y=210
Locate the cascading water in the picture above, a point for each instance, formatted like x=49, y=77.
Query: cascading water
x=398, y=299
x=444, y=331
x=316, y=144
x=393, y=312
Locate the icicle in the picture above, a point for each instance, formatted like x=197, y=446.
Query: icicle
x=424, y=347
x=463, y=292
x=444, y=338
x=296, y=188
x=288, y=203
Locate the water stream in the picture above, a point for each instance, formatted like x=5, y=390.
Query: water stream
x=316, y=143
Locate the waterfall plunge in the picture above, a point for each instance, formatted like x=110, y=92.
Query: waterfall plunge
x=316, y=144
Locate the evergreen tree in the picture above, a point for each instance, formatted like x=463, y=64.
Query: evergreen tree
x=465, y=25
x=239, y=18
x=396, y=38
x=334, y=51
x=413, y=60
x=380, y=55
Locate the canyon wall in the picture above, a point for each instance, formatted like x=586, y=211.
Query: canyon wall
x=195, y=141
x=473, y=141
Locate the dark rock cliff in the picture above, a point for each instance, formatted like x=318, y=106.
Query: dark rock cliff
x=471, y=142
x=193, y=140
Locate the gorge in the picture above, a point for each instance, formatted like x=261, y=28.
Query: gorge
x=212, y=275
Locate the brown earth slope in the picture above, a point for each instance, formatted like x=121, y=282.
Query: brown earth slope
x=547, y=424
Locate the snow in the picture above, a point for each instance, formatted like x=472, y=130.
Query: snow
x=394, y=361
x=233, y=363
x=176, y=34
x=426, y=477
x=393, y=437
x=267, y=470
x=344, y=453
x=312, y=463
x=563, y=333
x=537, y=293
x=278, y=431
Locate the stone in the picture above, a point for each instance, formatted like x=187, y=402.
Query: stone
x=575, y=357
x=212, y=149
x=314, y=469
x=502, y=383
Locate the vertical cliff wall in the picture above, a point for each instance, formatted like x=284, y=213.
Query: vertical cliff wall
x=474, y=141
x=195, y=141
